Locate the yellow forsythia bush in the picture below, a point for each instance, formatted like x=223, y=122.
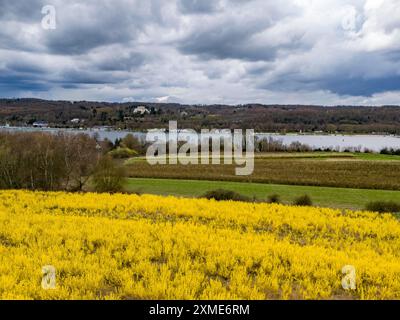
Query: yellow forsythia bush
x=149, y=247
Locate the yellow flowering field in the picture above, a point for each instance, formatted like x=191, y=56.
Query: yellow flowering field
x=149, y=247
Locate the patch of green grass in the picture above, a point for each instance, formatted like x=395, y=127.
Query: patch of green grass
x=321, y=196
x=375, y=157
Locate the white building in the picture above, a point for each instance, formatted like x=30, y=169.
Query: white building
x=142, y=110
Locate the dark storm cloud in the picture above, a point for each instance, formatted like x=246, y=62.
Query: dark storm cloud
x=362, y=87
x=233, y=34
x=198, y=6
x=16, y=82
x=21, y=10
x=13, y=86
x=25, y=67
x=85, y=77
x=85, y=27
x=75, y=40
x=338, y=85
x=361, y=74
x=121, y=63
x=226, y=42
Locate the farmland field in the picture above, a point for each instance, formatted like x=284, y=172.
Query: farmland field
x=345, y=198
x=149, y=247
x=308, y=169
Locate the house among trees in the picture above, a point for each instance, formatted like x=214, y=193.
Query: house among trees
x=76, y=121
x=141, y=110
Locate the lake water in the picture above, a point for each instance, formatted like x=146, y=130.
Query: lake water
x=372, y=142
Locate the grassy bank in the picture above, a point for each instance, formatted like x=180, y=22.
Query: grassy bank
x=322, y=196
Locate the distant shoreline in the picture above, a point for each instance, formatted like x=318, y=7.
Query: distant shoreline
x=315, y=141
x=110, y=129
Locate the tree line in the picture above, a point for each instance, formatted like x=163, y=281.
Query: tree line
x=261, y=118
x=52, y=162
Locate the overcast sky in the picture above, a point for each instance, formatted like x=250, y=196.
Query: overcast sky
x=203, y=51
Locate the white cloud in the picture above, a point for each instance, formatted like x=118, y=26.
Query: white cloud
x=228, y=51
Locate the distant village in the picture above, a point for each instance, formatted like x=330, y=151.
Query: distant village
x=133, y=114
x=144, y=116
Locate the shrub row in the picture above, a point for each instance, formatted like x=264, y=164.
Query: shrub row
x=383, y=207
x=226, y=195
x=305, y=200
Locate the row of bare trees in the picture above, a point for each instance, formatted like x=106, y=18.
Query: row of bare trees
x=270, y=144
x=41, y=161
